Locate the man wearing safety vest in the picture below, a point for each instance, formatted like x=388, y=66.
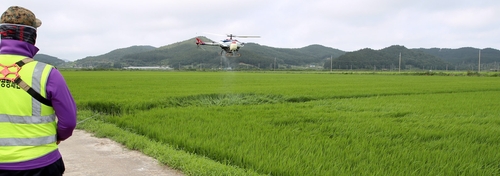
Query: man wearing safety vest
x=37, y=110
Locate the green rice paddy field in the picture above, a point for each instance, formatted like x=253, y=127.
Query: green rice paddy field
x=286, y=123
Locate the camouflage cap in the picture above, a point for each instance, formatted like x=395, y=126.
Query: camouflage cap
x=20, y=15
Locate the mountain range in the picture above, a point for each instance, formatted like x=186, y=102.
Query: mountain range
x=187, y=55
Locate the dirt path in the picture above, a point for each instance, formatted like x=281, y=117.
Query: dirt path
x=84, y=155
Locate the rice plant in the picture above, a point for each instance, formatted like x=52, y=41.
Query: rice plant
x=308, y=124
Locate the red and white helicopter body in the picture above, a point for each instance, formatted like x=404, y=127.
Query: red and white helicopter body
x=230, y=46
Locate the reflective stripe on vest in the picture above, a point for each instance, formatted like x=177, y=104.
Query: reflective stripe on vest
x=29, y=131
x=35, y=84
x=27, y=141
x=27, y=120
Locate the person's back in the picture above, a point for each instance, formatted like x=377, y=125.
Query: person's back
x=37, y=110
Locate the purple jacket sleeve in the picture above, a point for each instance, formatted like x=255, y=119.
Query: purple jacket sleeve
x=63, y=103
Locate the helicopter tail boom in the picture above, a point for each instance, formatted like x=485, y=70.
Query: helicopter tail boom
x=200, y=42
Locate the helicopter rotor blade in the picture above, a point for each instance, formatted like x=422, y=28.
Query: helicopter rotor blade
x=199, y=47
x=242, y=36
x=235, y=36
x=246, y=36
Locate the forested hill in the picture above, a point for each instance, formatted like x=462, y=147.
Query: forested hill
x=466, y=55
x=109, y=59
x=187, y=54
x=388, y=58
x=49, y=59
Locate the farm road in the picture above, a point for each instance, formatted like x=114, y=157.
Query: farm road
x=85, y=155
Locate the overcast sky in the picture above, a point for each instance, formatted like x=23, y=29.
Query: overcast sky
x=73, y=30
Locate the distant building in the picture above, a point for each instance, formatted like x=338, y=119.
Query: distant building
x=148, y=68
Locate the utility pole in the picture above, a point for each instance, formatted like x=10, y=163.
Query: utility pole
x=331, y=63
x=274, y=65
x=399, y=62
x=479, y=65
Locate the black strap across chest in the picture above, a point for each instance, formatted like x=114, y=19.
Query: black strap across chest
x=23, y=85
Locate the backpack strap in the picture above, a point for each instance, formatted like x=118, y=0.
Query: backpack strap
x=23, y=62
x=25, y=86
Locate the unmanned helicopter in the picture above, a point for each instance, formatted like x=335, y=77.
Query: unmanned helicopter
x=230, y=46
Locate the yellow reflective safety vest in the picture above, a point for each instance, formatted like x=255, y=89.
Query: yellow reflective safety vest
x=27, y=127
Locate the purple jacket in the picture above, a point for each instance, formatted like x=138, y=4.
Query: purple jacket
x=62, y=101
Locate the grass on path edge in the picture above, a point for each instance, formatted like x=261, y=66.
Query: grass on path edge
x=187, y=163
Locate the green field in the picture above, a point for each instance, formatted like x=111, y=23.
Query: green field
x=291, y=123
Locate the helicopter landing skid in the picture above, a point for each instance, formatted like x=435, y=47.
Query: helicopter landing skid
x=231, y=54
